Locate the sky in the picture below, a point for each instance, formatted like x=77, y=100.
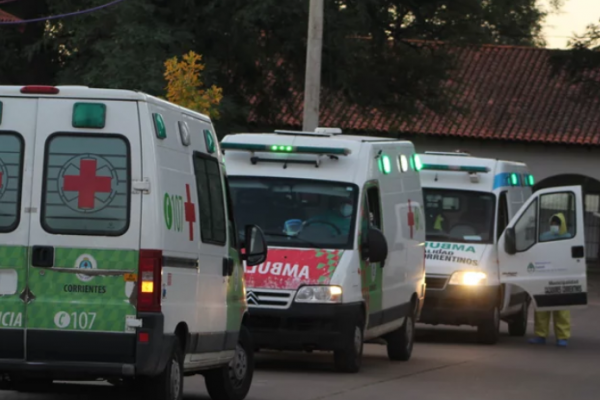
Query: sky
x=573, y=17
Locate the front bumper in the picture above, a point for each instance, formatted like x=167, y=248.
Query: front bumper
x=459, y=305
x=303, y=326
x=86, y=355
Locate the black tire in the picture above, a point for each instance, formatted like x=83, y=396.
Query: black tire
x=168, y=385
x=488, y=331
x=348, y=359
x=517, y=326
x=400, y=342
x=233, y=381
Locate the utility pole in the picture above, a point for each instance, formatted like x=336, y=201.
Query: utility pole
x=312, y=82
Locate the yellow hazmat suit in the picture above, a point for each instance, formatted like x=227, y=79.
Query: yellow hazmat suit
x=562, y=319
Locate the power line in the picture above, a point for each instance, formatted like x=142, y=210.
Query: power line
x=60, y=16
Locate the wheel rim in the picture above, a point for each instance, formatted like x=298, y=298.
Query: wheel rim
x=357, y=339
x=175, y=379
x=238, y=367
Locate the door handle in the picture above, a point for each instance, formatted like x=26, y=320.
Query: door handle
x=42, y=256
x=228, y=265
x=577, y=252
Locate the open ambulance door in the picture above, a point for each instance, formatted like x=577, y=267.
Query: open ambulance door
x=551, y=267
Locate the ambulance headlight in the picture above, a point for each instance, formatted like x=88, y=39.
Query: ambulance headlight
x=468, y=278
x=319, y=294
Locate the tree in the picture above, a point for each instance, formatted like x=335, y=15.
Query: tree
x=582, y=62
x=25, y=58
x=255, y=50
x=184, y=85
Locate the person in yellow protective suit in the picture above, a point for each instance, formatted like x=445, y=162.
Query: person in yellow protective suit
x=562, y=319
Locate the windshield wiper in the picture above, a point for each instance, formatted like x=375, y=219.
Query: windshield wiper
x=290, y=236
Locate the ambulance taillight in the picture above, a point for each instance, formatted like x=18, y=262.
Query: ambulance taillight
x=149, y=281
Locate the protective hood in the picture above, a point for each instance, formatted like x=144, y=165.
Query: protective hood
x=445, y=258
x=563, y=223
x=290, y=268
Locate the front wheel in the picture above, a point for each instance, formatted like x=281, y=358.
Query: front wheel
x=233, y=381
x=488, y=331
x=517, y=326
x=349, y=358
x=401, y=341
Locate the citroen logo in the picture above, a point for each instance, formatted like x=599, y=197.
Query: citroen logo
x=251, y=298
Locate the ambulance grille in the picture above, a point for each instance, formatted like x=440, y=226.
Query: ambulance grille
x=435, y=282
x=265, y=298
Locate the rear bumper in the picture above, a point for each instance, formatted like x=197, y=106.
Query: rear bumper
x=459, y=305
x=303, y=326
x=79, y=355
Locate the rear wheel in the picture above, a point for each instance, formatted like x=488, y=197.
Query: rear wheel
x=517, y=326
x=233, y=381
x=349, y=357
x=169, y=384
x=488, y=331
x=400, y=342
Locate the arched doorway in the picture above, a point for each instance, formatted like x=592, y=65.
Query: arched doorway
x=591, y=200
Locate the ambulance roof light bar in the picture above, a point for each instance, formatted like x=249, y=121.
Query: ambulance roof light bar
x=331, y=131
x=455, y=168
x=275, y=148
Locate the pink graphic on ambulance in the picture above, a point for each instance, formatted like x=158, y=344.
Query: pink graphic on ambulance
x=291, y=268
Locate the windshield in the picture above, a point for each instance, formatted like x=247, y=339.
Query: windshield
x=459, y=216
x=296, y=212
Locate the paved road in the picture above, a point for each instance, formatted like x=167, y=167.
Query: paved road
x=447, y=364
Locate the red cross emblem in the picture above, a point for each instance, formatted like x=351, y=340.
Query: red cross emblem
x=190, y=211
x=411, y=218
x=87, y=184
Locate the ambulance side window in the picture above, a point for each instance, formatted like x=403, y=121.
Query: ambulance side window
x=233, y=232
x=87, y=185
x=525, y=228
x=213, y=224
x=11, y=167
x=502, y=215
x=374, y=206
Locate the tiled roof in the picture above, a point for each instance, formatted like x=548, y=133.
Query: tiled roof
x=510, y=93
x=6, y=17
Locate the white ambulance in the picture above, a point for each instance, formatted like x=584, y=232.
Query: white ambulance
x=119, y=257
x=488, y=252
x=343, y=219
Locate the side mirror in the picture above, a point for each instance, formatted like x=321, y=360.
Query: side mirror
x=255, y=246
x=375, y=250
x=510, y=241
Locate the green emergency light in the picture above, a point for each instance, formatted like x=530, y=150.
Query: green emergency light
x=514, y=179
x=455, y=168
x=277, y=148
x=89, y=115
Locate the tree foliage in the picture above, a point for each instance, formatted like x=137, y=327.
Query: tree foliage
x=185, y=87
x=376, y=53
x=582, y=62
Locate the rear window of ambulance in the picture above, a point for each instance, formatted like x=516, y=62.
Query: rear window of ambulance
x=87, y=181
x=11, y=167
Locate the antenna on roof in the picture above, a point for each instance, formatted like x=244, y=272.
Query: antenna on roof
x=449, y=153
x=302, y=133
